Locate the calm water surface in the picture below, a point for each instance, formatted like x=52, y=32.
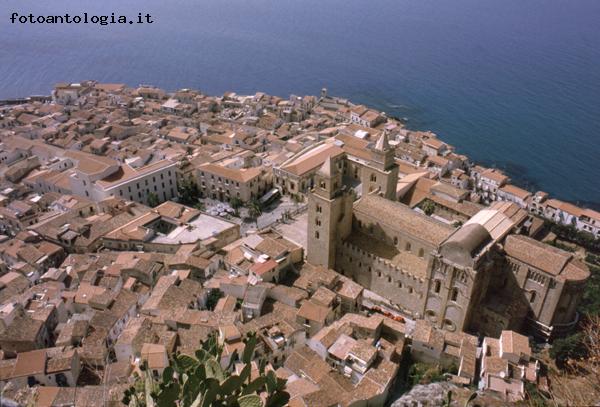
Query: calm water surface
x=512, y=83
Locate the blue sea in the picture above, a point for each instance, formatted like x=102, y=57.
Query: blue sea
x=513, y=84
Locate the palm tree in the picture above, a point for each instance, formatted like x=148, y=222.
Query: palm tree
x=254, y=211
x=236, y=203
x=188, y=191
x=153, y=200
x=428, y=206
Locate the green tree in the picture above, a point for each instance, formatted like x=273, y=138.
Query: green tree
x=213, y=297
x=570, y=347
x=236, y=203
x=153, y=200
x=254, y=211
x=571, y=234
x=200, y=206
x=428, y=207
x=201, y=381
x=188, y=191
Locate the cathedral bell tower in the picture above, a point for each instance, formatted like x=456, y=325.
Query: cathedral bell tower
x=329, y=215
x=381, y=173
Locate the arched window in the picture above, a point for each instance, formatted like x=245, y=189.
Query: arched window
x=395, y=240
x=421, y=252
x=533, y=295
x=437, y=285
x=454, y=294
x=407, y=248
x=317, y=234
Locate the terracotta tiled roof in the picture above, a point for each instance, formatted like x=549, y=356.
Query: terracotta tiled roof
x=242, y=175
x=515, y=343
x=313, y=312
x=312, y=159
x=545, y=257
x=400, y=217
x=516, y=191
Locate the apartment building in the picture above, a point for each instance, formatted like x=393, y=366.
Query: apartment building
x=98, y=178
x=223, y=183
x=296, y=176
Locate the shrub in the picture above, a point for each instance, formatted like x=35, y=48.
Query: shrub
x=214, y=296
x=566, y=348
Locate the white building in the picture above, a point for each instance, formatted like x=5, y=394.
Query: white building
x=514, y=194
x=98, y=178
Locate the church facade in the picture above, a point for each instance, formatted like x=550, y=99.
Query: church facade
x=479, y=277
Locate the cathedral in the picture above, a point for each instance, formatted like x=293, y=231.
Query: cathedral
x=481, y=277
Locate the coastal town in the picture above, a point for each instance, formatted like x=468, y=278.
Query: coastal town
x=137, y=223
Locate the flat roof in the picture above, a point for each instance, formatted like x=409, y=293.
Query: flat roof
x=201, y=228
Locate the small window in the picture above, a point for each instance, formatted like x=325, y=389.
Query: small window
x=437, y=285
x=454, y=294
x=533, y=295
x=395, y=240
x=407, y=247
x=317, y=234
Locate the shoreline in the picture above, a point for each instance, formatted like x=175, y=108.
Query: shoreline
x=517, y=173
x=520, y=175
